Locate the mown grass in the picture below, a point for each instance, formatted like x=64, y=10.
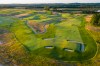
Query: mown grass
x=90, y=44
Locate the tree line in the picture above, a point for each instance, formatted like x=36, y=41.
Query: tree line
x=96, y=19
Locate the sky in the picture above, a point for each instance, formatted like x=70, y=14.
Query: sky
x=47, y=1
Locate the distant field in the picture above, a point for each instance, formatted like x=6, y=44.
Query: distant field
x=64, y=31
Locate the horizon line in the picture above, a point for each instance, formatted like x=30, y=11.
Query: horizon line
x=47, y=3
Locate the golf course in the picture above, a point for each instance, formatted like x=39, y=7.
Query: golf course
x=46, y=34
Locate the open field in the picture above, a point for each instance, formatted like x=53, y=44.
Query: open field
x=60, y=36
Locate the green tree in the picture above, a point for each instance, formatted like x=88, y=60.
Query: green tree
x=96, y=19
x=46, y=8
